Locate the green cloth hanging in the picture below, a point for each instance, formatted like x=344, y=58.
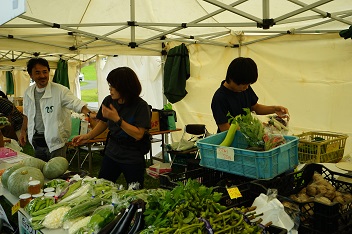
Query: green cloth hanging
x=347, y=33
x=61, y=73
x=176, y=72
x=10, y=87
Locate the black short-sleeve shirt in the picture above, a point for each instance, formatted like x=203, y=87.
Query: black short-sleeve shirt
x=136, y=113
x=225, y=100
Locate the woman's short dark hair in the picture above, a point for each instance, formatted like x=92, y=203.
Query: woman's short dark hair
x=125, y=81
x=34, y=61
x=242, y=71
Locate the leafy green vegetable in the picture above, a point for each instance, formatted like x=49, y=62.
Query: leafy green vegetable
x=251, y=127
x=169, y=208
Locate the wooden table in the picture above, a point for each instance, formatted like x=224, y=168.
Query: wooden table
x=162, y=133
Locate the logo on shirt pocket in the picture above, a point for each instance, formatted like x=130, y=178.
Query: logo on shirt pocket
x=49, y=109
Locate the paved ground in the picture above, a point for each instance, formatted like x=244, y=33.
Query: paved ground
x=91, y=84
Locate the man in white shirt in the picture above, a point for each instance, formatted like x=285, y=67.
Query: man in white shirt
x=46, y=109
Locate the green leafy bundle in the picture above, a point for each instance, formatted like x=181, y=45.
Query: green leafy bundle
x=251, y=127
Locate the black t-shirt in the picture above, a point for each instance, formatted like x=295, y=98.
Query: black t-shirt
x=225, y=100
x=121, y=147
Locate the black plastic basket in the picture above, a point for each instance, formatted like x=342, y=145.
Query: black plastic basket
x=218, y=180
x=206, y=176
x=316, y=217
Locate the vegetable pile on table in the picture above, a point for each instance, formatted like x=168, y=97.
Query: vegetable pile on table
x=91, y=205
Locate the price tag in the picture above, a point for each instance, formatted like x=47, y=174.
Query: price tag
x=332, y=147
x=15, y=208
x=234, y=192
x=225, y=153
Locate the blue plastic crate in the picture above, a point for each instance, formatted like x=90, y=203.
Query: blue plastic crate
x=248, y=163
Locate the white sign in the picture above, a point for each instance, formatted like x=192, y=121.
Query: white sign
x=11, y=9
x=225, y=153
x=24, y=225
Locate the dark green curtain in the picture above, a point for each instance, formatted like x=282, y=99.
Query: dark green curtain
x=176, y=72
x=10, y=87
x=347, y=33
x=61, y=73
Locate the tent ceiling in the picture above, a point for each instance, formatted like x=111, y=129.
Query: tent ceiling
x=79, y=30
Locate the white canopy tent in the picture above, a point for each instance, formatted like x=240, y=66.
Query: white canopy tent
x=303, y=62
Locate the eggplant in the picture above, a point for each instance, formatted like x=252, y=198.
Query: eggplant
x=107, y=229
x=123, y=224
x=138, y=224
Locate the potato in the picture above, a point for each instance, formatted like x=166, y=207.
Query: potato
x=339, y=199
x=311, y=190
x=323, y=200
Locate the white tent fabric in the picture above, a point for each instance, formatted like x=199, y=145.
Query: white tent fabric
x=303, y=62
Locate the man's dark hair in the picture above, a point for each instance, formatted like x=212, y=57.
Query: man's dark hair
x=242, y=71
x=34, y=61
x=126, y=82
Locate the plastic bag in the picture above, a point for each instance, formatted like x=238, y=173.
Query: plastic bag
x=277, y=125
x=275, y=129
x=182, y=145
x=273, y=140
x=101, y=217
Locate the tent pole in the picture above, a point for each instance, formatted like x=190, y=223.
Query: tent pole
x=194, y=21
x=133, y=18
x=301, y=10
x=266, y=7
x=236, y=11
x=325, y=14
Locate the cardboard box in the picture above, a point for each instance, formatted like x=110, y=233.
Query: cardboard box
x=155, y=122
x=158, y=169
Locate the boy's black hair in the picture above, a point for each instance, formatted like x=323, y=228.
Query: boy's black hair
x=242, y=71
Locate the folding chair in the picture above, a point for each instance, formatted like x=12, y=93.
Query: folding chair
x=194, y=132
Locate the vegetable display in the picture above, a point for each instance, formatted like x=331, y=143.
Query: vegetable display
x=18, y=181
x=55, y=167
x=34, y=162
x=8, y=172
x=99, y=206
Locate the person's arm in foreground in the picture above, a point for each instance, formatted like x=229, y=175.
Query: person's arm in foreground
x=89, y=113
x=98, y=129
x=266, y=110
x=224, y=127
x=112, y=114
x=23, y=136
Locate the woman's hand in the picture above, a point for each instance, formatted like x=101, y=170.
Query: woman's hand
x=110, y=113
x=81, y=139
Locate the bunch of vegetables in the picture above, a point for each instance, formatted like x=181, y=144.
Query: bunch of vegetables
x=194, y=208
x=86, y=205
x=181, y=205
x=250, y=126
x=4, y=121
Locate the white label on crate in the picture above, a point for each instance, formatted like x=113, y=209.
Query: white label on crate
x=24, y=225
x=332, y=147
x=225, y=153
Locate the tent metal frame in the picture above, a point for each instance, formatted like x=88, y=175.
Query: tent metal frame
x=263, y=26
